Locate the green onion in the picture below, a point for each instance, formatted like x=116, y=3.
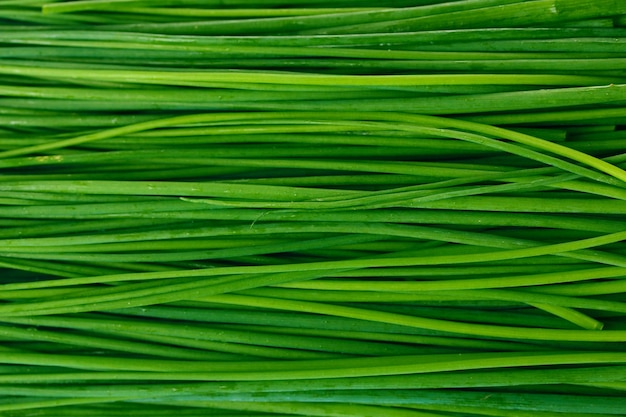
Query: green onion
x=409, y=208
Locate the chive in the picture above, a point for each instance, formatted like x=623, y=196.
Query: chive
x=346, y=208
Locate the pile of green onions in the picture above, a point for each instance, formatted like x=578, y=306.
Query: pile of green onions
x=392, y=208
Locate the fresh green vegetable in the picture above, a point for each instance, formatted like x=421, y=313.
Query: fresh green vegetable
x=403, y=208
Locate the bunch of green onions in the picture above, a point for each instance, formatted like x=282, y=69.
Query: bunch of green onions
x=393, y=208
